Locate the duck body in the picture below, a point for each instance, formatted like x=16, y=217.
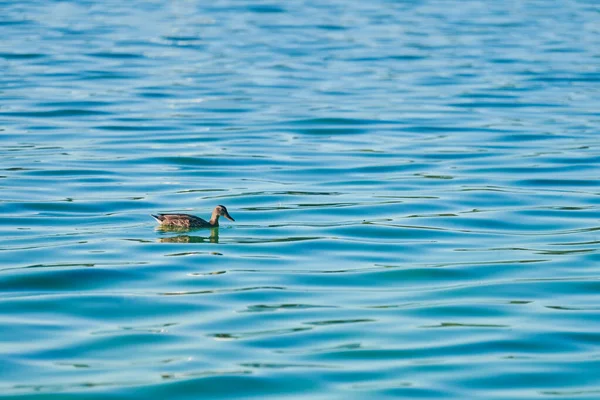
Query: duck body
x=187, y=221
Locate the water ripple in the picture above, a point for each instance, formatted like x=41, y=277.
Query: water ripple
x=414, y=187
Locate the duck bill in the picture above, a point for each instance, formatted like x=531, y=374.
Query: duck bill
x=226, y=215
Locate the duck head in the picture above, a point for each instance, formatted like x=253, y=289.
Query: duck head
x=221, y=211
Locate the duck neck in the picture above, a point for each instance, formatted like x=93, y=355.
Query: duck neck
x=214, y=219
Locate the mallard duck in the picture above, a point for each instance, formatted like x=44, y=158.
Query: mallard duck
x=187, y=221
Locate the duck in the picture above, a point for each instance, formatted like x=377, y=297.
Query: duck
x=187, y=221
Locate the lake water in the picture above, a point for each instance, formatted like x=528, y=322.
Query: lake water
x=414, y=183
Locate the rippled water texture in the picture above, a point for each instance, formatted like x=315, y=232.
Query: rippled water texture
x=414, y=183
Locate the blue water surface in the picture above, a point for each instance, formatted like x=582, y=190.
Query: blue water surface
x=414, y=183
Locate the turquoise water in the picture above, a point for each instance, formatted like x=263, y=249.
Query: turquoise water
x=414, y=183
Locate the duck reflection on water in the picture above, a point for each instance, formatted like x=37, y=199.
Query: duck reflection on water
x=213, y=238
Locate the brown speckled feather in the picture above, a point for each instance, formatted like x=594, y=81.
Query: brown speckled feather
x=183, y=221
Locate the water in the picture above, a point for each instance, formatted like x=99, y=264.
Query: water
x=415, y=188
